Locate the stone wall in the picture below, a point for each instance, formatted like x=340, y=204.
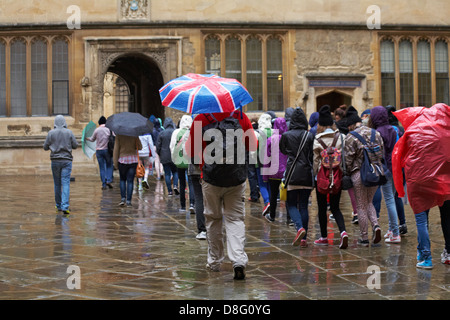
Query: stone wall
x=405, y=12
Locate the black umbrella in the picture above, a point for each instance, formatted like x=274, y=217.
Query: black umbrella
x=129, y=124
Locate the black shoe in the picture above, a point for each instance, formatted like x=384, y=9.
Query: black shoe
x=376, y=234
x=269, y=218
x=66, y=212
x=239, y=273
x=175, y=190
x=355, y=219
x=403, y=229
x=109, y=185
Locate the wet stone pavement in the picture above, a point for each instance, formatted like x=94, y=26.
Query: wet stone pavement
x=150, y=252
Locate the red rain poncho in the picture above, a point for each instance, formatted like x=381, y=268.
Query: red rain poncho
x=424, y=152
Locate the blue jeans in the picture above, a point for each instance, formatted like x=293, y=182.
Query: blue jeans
x=253, y=182
x=105, y=165
x=263, y=187
x=170, y=169
x=423, y=237
x=297, y=202
x=127, y=173
x=61, y=179
x=389, y=199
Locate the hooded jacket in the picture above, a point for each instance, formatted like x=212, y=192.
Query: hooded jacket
x=275, y=164
x=185, y=124
x=313, y=122
x=263, y=132
x=60, y=141
x=289, y=145
x=287, y=115
x=380, y=119
x=163, y=143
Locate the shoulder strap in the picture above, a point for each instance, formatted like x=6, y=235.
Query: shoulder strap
x=359, y=137
x=373, y=136
x=322, y=143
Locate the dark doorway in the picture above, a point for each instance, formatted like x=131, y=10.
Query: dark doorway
x=144, y=79
x=334, y=100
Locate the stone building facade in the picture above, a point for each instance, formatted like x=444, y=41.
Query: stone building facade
x=100, y=57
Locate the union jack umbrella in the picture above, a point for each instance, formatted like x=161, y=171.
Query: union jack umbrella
x=204, y=93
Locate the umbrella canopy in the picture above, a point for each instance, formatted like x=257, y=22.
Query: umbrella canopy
x=129, y=124
x=88, y=147
x=196, y=93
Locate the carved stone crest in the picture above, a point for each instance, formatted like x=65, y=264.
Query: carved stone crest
x=134, y=10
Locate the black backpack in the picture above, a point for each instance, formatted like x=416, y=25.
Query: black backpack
x=229, y=168
x=111, y=142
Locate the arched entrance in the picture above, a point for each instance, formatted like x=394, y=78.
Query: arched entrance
x=134, y=81
x=334, y=99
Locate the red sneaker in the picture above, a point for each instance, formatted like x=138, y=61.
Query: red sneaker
x=300, y=234
x=321, y=242
x=266, y=209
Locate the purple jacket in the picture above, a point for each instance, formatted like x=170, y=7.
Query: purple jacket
x=275, y=169
x=380, y=120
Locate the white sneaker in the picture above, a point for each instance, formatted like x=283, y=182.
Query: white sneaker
x=201, y=236
x=445, y=257
x=388, y=234
x=393, y=239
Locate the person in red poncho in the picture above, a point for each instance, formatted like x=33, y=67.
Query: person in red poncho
x=424, y=153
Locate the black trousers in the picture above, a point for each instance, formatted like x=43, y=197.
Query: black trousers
x=199, y=208
x=334, y=206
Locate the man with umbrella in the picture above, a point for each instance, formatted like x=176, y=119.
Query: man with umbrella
x=215, y=100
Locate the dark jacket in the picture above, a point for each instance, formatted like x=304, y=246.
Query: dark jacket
x=163, y=142
x=380, y=120
x=289, y=145
x=60, y=141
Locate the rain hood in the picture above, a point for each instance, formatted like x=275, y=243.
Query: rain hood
x=424, y=152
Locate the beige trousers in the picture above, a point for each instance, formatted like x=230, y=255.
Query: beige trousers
x=224, y=207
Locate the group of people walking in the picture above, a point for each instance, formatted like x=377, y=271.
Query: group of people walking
x=289, y=153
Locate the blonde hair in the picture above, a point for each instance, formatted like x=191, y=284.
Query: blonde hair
x=321, y=129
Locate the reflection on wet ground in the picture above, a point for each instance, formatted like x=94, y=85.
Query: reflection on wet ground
x=149, y=251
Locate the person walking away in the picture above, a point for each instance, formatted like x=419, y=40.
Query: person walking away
x=223, y=186
x=194, y=173
x=126, y=158
x=379, y=120
x=274, y=166
x=423, y=152
x=297, y=144
x=179, y=158
x=252, y=176
x=263, y=132
x=146, y=157
x=104, y=158
x=163, y=150
x=354, y=156
x=61, y=141
x=399, y=202
x=157, y=166
x=328, y=133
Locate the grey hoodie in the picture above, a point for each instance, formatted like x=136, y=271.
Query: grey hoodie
x=60, y=141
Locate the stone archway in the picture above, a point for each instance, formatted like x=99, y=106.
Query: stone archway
x=334, y=99
x=143, y=79
x=153, y=60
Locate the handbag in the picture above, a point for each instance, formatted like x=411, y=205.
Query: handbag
x=140, y=169
x=283, y=192
x=347, y=182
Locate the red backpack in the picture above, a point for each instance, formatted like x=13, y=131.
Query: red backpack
x=329, y=177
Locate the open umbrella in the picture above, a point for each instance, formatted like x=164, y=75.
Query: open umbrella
x=88, y=147
x=129, y=124
x=207, y=93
